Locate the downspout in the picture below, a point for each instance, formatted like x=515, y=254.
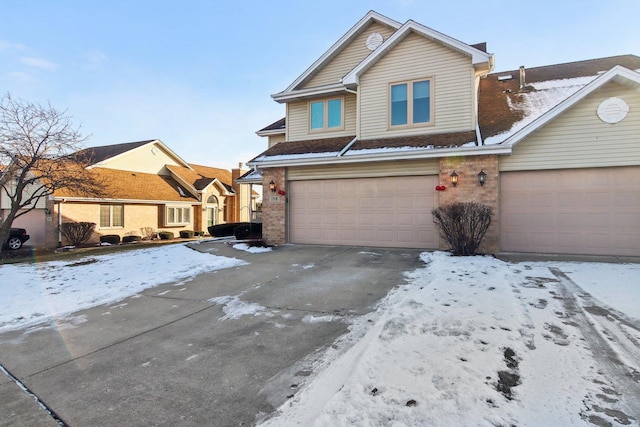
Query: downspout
x=357, y=111
x=60, y=222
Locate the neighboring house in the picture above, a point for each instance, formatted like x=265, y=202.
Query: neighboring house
x=377, y=126
x=149, y=189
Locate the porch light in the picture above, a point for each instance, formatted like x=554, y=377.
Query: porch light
x=272, y=186
x=482, y=177
x=454, y=178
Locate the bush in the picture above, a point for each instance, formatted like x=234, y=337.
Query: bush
x=131, y=239
x=77, y=232
x=112, y=239
x=187, y=234
x=165, y=235
x=198, y=233
x=463, y=225
x=248, y=231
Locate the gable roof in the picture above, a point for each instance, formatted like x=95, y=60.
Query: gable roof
x=477, y=56
x=506, y=115
x=338, y=46
x=505, y=110
x=127, y=185
x=200, y=177
x=98, y=154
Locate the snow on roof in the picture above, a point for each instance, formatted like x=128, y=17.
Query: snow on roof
x=533, y=104
x=295, y=156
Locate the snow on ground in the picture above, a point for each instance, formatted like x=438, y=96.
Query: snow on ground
x=35, y=292
x=469, y=341
x=251, y=249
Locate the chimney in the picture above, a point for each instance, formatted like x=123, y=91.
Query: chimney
x=523, y=81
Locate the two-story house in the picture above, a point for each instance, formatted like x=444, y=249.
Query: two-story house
x=397, y=119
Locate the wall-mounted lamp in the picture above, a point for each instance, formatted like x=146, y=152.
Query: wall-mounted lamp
x=482, y=177
x=47, y=211
x=272, y=186
x=454, y=178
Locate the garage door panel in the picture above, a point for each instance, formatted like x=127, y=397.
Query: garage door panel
x=386, y=212
x=590, y=211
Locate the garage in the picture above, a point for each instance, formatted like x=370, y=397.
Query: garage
x=573, y=211
x=382, y=212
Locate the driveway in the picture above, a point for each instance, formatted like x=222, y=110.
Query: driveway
x=222, y=349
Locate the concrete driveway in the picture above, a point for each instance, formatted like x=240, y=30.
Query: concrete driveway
x=172, y=356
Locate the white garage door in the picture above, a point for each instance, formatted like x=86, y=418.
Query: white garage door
x=383, y=212
x=582, y=211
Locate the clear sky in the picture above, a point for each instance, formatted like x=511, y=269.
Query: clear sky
x=198, y=75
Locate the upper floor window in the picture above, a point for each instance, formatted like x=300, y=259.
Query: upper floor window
x=411, y=103
x=111, y=216
x=326, y=114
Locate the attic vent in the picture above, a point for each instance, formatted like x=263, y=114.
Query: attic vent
x=181, y=191
x=374, y=41
x=505, y=77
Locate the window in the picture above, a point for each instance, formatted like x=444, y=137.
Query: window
x=111, y=216
x=178, y=215
x=411, y=103
x=326, y=114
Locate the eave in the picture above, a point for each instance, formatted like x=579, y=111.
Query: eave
x=297, y=95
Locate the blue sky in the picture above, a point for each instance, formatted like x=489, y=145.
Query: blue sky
x=199, y=74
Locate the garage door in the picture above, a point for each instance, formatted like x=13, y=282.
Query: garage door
x=582, y=211
x=383, y=212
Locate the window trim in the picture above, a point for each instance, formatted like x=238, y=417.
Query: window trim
x=325, y=117
x=410, y=102
x=177, y=223
x=111, y=215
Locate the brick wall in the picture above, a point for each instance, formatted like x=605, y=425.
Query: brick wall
x=470, y=190
x=273, y=207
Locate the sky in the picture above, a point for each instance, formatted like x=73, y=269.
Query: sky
x=198, y=75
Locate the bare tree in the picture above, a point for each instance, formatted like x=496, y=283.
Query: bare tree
x=39, y=155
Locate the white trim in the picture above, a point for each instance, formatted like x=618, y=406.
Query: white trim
x=430, y=153
x=617, y=72
x=295, y=95
x=477, y=56
x=337, y=46
x=271, y=132
x=67, y=199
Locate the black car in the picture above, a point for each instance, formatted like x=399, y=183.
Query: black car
x=17, y=236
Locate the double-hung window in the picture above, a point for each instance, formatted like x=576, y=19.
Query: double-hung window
x=411, y=103
x=111, y=216
x=178, y=215
x=326, y=114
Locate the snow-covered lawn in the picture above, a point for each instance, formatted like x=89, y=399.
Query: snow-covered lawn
x=38, y=292
x=474, y=341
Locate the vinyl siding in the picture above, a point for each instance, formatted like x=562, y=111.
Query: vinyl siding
x=364, y=170
x=351, y=56
x=417, y=57
x=579, y=139
x=275, y=139
x=298, y=120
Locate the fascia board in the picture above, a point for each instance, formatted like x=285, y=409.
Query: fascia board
x=130, y=201
x=333, y=88
x=477, y=56
x=615, y=73
x=378, y=157
x=370, y=16
x=271, y=132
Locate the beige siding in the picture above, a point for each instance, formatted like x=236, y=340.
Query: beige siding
x=298, y=120
x=578, y=138
x=143, y=160
x=413, y=58
x=274, y=139
x=365, y=170
x=351, y=56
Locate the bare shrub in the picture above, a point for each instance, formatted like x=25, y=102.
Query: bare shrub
x=463, y=225
x=77, y=233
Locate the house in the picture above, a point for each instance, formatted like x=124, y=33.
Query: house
x=377, y=128
x=149, y=188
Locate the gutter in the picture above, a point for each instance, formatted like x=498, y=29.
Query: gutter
x=379, y=157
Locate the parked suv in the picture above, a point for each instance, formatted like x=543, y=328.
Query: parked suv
x=17, y=236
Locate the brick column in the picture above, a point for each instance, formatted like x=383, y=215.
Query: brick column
x=470, y=190
x=274, y=207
